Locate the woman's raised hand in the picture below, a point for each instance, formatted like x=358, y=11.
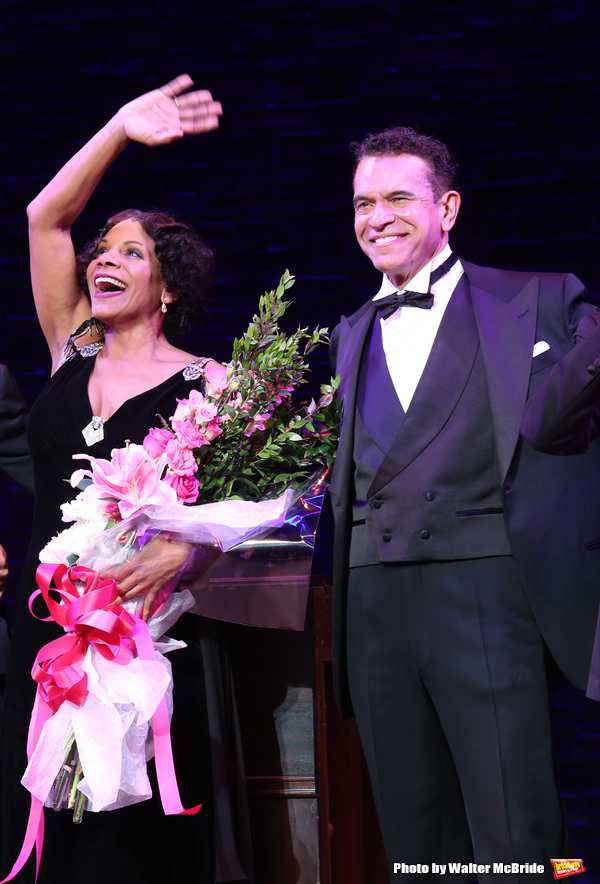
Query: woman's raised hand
x=170, y=112
x=154, y=118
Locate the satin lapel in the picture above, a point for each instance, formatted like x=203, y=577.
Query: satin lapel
x=507, y=332
x=442, y=383
x=352, y=338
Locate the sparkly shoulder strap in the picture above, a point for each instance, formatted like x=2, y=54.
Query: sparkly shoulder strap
x=195, y=368
x=87, y=339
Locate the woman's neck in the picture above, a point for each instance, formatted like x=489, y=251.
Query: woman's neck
x=139, y=344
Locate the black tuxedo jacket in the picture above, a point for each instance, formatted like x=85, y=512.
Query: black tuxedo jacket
x=14, y=460
x=564, y=415
x=551, y=505
x=14, y=454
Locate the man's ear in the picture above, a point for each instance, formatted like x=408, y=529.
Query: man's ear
x=450, y=202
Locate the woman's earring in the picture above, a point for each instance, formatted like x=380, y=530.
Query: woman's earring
x=164, y=306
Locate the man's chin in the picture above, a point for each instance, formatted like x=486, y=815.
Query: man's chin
x=391, y=265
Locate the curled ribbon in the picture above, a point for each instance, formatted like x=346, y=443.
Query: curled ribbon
x=91, y=617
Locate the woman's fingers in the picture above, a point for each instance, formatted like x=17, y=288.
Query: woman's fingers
x=177, y=86
x=148, y=604
x=198, y=111
x=169, y=113
x=200, y=118
x=159, y=565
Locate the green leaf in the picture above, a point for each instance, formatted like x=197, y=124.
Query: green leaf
x=265, y=362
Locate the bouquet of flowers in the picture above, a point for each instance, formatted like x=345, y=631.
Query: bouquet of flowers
x=243, y=449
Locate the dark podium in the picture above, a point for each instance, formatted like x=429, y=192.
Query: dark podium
x=311, y=810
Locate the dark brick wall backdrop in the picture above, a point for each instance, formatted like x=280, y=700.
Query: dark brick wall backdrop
x=512, y=87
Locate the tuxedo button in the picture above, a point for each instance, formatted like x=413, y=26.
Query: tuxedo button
x=377, y=504
x=429, y=495
x=425, y=535
x=386, y=538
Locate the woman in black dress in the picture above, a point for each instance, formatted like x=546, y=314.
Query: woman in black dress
x=138, y=279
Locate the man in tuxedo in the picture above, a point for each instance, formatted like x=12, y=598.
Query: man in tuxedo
x=15, y=461
x=461, y=554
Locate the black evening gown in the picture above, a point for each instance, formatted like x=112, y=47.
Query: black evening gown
x=137, y=844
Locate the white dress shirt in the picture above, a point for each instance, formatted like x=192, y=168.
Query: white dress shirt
x=409, y=333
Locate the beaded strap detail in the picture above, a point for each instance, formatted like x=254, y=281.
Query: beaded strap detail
x=195, y=369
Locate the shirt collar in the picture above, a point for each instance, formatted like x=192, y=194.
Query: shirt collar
x=419, y=282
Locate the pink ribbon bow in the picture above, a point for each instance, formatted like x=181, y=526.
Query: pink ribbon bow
x=91, y=617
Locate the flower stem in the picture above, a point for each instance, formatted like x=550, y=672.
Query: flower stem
x=62, y=782
x=80, y=806
x=74, y=783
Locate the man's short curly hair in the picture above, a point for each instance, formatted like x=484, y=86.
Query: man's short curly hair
x=185, y=261
x=404, y=140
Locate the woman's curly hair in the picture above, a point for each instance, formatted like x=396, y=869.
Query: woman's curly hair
x=185, y=261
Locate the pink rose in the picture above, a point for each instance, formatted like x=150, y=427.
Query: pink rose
x=156, y=442
x=196, y=399
x=190, y=418
x=180, y=457
x=197, y=408
x=190, y=434
x=182, y=412
x=206, y=412
x=215, y=386
x=212, y=430
x=185, y=487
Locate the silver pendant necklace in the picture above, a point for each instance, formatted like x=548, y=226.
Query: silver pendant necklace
x=94, y=431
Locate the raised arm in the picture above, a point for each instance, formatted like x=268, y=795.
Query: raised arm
x=156, y=118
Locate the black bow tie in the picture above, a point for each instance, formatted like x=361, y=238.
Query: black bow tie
x=388, y=305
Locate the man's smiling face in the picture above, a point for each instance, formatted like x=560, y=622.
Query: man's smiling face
x=398, y=222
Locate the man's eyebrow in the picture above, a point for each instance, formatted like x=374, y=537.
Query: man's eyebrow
x=394, y=193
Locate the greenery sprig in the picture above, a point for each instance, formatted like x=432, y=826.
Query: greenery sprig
x=268, y=442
